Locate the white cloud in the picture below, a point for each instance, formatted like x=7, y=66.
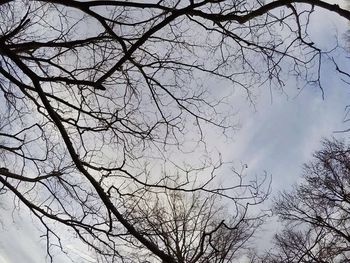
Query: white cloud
x=278, y=138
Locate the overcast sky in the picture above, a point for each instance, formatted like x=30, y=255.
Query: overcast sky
x=277, y=136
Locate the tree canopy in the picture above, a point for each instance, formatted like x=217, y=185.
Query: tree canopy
x=316, y=212
x=105, y=106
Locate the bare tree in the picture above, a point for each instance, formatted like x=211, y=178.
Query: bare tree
x=105, y=102
x=316, y=213
x=192, y=227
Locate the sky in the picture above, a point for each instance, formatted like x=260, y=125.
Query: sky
x=278, y=135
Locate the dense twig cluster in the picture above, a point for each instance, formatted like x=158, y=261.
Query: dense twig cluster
x=104, y=103
x=316, y=213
